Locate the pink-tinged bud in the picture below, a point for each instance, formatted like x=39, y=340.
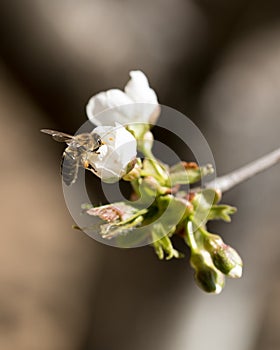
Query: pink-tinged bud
x=224, y=257
x=227, y=260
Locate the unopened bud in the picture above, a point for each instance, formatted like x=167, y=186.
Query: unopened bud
x=210, y=280
x=188, y=205
x=218, y=195
x=227, y=260
x=150, y=185
x=212, y=242
x=207, y=276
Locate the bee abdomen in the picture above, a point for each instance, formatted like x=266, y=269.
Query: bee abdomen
x=69, y=169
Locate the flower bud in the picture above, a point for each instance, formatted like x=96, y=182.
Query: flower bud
x=227, y=260
x=224, y=257
x=212, y=242
x=152, y=187
x=207, y=276
x=210, y=280
x=188, y=205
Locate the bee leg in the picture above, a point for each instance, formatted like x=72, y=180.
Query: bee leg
x=88, y=166
x=92, y=168
x=96, y=151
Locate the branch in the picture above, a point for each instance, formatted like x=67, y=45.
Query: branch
x=226, y=182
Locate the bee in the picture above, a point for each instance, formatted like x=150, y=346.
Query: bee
x=80, y=147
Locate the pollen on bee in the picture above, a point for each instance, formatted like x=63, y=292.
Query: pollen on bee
x=86, y=164
x=111, y=139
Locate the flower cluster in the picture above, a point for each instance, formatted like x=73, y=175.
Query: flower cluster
x=120, y=127
x=159, y=208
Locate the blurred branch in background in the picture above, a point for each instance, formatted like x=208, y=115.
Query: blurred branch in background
x=234, y=178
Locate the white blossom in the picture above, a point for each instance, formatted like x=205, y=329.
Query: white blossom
x=111, y=161
x=136, y=104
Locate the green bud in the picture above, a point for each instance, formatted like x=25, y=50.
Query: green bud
x=188, y=173
x=151, y=183
x=227, y=260
x=218, y=195
x=187, y=205
x=224, y=257
x=210, y=280
x=207, y=276
x=212, y=242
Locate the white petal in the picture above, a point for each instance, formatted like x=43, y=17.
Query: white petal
x=236, y=272
x=146, y=113
x=138, y=104
x=125, y=144
x=138, y=88
x=120, y=148
x=106, y=167
x=218, y=289
x=102, y=130
x=101, y=108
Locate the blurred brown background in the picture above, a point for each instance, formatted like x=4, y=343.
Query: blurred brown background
x=217, y=62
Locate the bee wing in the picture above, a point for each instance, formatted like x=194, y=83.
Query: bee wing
x=58, y=135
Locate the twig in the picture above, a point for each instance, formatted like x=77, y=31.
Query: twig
x=226, y=182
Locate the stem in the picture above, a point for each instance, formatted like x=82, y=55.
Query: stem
x=159, y=170
x=135, y=185
x=227, y=182
x=192, y=242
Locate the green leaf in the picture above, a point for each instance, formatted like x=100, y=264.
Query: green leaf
x=222, y=212
x=112, y=230
x=162, y=244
